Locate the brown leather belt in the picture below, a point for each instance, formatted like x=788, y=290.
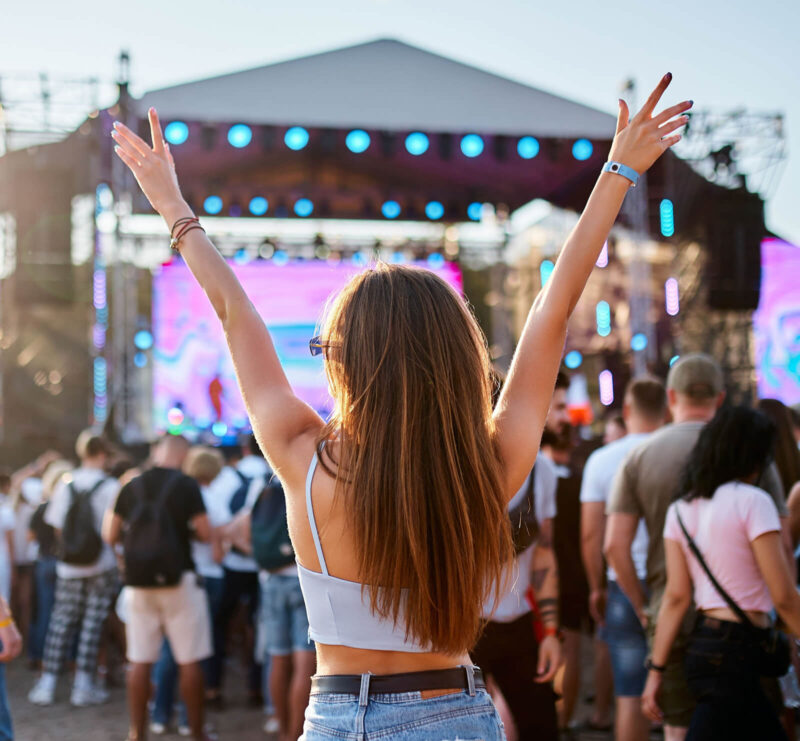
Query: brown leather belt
x=467, y=678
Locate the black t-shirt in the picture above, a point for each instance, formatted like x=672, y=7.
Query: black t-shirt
x=183, y=502
x=44, y=534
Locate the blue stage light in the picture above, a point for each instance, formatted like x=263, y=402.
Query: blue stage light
x=417, y=143
x=296, y=138
x=603, y=315
x=528, y=147
x=474, y=211
x=434, y=210
x=219, y=428
x=391, y=209
x=258, y=206
x=546, y=268
x=140, y=360
x=176, y=132
x=435, y=261
x=212, y=205
x=280, y=257
x=240, y=135
x=241, y=256
x=573, y=360
x=360, y=259
x=582, y=149
x=472, y=145
x=638, y=342
x=143, y=340
x=667, y=214
x=357, y=141
x=397, y=258
x=304, y=207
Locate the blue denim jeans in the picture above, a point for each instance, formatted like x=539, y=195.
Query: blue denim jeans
x=45, y=586
x=284, y=614
x=627, y=643
x=6, y=729
x=401, y=716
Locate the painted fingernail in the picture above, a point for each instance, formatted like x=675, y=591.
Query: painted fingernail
x=116, y=123
x=668, y=76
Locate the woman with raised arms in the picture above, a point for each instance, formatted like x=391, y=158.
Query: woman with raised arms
x=397, y=504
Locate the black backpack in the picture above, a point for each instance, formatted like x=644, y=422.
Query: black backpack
x=269, y=532
x=524, y=525
x=239, y=497
x=81, y=544
x=153, y=554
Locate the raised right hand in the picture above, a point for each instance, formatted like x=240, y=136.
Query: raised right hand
x=638, y=143
x=153, y=167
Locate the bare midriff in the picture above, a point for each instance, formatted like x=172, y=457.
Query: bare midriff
x=346, y=660
x=760, y=619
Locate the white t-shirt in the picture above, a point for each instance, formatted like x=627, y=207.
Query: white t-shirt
x=513, y=604
x=103, y=499
x=6, y=525
x=25, y=550
x=227, y=484
x=253, y=466
x=216, y=500
x=598, y=476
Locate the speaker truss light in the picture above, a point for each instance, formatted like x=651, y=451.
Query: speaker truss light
x=357, y=141
x=474, y=211
x=390, y=209
x=212, y=205
x=606, y=381
x=582, y=149
x=258, y=206
x=304, y=207
x=667, y=217
x=528, y=147
x=434, y=210
x=472, y=145
x=573, y=359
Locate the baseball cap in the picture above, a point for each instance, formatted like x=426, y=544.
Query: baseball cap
x=697, y=376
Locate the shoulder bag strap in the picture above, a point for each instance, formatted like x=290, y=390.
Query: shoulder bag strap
x=740, y=613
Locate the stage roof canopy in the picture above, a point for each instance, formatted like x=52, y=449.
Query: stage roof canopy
x=384, y=84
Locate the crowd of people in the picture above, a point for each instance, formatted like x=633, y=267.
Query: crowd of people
x=155, y=560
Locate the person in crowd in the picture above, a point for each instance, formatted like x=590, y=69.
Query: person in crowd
x=44, y=536
x=253, y=464
x=521, y=660
x=203, y=464
x=787, y=454
x=156, y=516
x=644, y=411
x=616, y=429
x=10, y=648
x=794, y=411
x=86, y=575
x=724, y=551
x=6, y=536
x=644, y=488
x=411, y=477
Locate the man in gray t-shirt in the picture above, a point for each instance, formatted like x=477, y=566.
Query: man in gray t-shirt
x=644, y=487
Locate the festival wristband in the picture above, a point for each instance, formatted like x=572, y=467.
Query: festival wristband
x=549, y=630
x=650, y=666
x=624, y=170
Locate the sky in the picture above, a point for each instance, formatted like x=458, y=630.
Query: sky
x=724, y=54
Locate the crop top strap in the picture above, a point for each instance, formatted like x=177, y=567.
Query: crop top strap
x=311, y=519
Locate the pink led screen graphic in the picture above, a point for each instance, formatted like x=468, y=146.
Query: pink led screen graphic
x=193, y=370
x=777, y=322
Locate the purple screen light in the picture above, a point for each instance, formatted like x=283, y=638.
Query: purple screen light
x=192, y=368
x=776, y=323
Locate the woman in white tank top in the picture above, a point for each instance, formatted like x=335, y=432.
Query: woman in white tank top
x=415, y=469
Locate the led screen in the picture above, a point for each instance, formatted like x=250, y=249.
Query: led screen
x=777, y=322
x=193, y=380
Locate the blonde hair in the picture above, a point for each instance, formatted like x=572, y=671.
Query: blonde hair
x=408, y=369
x=53, y=475
x=203, y=463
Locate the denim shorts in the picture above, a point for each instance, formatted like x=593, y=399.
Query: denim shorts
x=402, y=716
x=285, y=618
x=627, y=644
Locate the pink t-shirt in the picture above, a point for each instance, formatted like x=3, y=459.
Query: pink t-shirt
x=723, y=528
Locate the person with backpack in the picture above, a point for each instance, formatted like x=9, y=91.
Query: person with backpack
x=156, y=517
x=261, y=530
x=86, y=575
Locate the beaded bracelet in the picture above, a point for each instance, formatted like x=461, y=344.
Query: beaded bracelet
x=184, y=225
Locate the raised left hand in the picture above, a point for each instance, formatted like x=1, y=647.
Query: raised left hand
x=549, y=659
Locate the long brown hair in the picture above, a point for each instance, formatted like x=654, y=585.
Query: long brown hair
x=409, y=371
